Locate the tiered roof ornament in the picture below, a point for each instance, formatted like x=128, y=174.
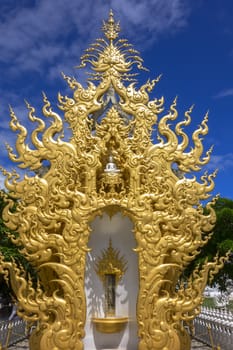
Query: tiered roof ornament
x=112, y=58
x=112, y=126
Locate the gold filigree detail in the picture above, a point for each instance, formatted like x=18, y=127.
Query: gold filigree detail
x=68, y=186
x=113, y=58
x=110, y=263
x=110, y=28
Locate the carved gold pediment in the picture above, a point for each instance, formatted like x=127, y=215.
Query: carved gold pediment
x=123, y=155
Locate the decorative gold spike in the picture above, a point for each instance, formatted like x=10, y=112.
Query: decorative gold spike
x=108, y=163
x=110, y=263
x=110, y=28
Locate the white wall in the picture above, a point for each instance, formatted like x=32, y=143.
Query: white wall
x=119, y=229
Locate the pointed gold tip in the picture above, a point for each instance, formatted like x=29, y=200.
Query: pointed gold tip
x=111, y=17
x=110, y=28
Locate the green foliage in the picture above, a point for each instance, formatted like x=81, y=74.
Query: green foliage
x=225, y=246
x=222, y=241
x=223, y=203
x=209, y=302
x=9, y=250
x=230, y=306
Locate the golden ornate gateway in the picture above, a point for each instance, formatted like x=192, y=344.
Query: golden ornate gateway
x=109, y=163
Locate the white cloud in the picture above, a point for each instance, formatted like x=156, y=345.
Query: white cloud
x=149, y=19
x=42, y=35
x=224, y=93
x=2, y=179
x=221, y=162
x=47, y=37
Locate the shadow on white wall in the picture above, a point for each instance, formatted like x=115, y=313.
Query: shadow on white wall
x=119, y=228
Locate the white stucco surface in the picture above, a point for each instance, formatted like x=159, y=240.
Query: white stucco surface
x=119, y=228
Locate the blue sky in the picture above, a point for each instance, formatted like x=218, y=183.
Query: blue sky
x=189, y=42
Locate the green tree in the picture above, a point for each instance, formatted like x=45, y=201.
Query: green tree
x=221, y=241
x=8, y=249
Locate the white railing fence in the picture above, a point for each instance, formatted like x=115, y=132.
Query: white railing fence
x=12, y=332
x=215, y=328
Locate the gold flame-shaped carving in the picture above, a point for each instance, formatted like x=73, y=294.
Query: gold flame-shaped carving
x=110, y=263
x=57, y=200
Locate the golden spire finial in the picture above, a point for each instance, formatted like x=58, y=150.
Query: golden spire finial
x=110, y=28
x=110, y=59
x=111, y=263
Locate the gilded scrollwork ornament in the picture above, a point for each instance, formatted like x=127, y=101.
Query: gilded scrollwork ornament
x=111, y=162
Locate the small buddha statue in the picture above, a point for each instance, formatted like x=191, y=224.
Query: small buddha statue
x=111, y=166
